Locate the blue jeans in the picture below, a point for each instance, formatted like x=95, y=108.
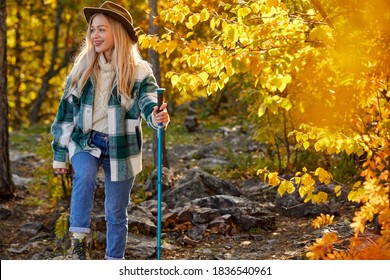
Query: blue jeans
x=117, y=197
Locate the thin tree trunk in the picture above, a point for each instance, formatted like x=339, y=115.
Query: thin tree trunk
x=52, y=71
x=155, y=62
x=16, y=119
x=6, y=184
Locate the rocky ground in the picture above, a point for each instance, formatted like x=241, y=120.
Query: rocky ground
x=205, y=217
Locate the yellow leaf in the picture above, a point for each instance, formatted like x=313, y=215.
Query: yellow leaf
x=337, y=190
x=204, y=15
x=141, y=38
x=162, y=47
x=229, y=70
x=285, y=186
x=189, y=25
x=323, y=175
x=212, y=87
x=317, y=146
x=255, y=7
x=273, y=179
x=212, y=23
x=204, y=76
x=290, y=188
x=306, y=145
x=243, y=12
x=307, y=180
x=320, y=197
x=194, y=19
x=174, y=80
x=274, y=3
x=171, y=46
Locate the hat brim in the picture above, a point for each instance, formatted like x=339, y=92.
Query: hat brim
x=89, y=12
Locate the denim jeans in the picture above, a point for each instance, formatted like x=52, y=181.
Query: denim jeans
x=117, y=197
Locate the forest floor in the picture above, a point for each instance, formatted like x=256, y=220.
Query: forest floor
x=290, y=239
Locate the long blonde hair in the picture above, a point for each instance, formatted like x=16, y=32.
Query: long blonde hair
x=125, y=57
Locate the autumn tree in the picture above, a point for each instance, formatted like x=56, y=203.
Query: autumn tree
x=315, y=72
x=155, y=62
x=41, y=40
x=6, y=184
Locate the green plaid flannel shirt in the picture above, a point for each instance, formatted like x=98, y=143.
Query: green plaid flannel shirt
x=72, y=126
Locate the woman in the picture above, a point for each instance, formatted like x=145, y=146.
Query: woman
x=98, y=123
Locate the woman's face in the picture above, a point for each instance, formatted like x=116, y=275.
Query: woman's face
x=102, y=36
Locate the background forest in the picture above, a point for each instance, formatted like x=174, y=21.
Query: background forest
x=309, y=77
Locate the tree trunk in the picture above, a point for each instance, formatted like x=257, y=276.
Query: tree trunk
x=6, y=184
x=16, y=117
x=52, y=71
x=155, y=62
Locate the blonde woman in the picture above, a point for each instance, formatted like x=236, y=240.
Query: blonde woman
x=109, y=90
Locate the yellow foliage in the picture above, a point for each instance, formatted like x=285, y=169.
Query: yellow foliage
x=322, y=220
x=323, y=175
x=286, y=186
x=322, y=247
x=342, y=107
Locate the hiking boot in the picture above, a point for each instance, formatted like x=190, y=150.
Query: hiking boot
x=79, y=250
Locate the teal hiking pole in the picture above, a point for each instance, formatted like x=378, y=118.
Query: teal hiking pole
x=160, y=92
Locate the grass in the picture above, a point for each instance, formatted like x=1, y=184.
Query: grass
x=29, y=139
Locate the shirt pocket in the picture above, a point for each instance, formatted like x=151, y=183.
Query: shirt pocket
x=134, y=136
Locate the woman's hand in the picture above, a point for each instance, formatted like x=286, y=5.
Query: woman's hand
x=62, y=170
x=162, y=116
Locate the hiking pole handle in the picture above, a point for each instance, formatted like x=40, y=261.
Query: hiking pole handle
x=160, y=92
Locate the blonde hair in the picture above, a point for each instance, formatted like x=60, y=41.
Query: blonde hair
x=125, y=57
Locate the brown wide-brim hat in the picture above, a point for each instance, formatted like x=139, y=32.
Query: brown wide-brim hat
x=117, y=12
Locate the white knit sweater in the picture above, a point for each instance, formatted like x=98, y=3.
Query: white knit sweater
x=102, y=93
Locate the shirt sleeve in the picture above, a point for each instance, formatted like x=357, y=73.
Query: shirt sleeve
x=148, y=99
x=61, y=129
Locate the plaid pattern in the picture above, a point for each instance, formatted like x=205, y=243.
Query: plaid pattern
x=72, y=126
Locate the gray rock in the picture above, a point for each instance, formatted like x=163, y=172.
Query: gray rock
x=32, y=228
x=166, y=181
x=244, y=212
x=4, y=213
x=196, y=183
x=141, y=219
x=292, y=205
x=214, y=164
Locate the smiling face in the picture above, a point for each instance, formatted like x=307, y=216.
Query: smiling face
x=102, y=36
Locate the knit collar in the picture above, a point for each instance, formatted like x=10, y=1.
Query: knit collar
x=104, y=65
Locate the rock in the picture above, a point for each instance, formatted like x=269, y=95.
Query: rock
x=253, y=188
x=21, y=182
x=292, y=205
x=207, y=151
x=142, y=220
x=197, y=232
x=196, y=183
x=214, y=164
x=4, y=212
x=32, y=228
x=14, y=248
x=185, y=152
x=166, y=181
x=244, y=212
x=151, y=207
x=196, y=215
x=191, y=123
x=140, y=247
